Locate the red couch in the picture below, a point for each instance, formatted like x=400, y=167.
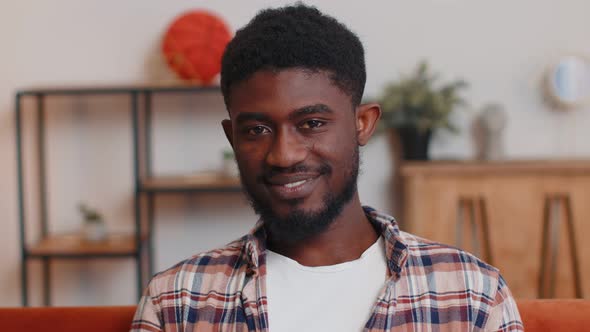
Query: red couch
x=537, y=315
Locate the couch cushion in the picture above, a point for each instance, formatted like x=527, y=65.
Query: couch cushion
x=67, y=319
x=555, y=315
x=537, y=315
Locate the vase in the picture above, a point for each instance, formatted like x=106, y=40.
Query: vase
x=414, y=143
x=94, y=231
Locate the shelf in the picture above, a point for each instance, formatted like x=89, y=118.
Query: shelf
x=122, y=89
x=74, y=245
x=200, y=182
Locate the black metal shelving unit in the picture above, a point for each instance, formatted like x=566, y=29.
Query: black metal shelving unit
x=138, y=245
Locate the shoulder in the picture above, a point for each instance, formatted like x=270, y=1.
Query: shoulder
x=431, y=253
x=210, y=279
x=450, y=270
x=201, y=273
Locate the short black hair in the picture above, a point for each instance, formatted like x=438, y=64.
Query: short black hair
x=295, y=36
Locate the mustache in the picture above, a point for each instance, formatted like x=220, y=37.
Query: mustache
x=322, y=169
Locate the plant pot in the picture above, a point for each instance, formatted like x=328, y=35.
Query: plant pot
x=414, y=143
x=229, y=166
x=95, y=231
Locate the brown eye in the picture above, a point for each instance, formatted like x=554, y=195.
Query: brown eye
x=310, y=124
x=258, y=130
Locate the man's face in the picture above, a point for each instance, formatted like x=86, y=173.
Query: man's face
x=294, y=136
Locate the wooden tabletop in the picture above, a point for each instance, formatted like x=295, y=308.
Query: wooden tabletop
x=564, y=167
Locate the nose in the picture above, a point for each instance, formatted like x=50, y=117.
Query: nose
x=287, y=150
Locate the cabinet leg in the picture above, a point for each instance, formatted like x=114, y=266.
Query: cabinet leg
x=487, y=245
x=24, y=272
x=550, y=245
x=544, y=248
x=573, y=247
x=459, y=224
x=472, y=227
x=150, y=242
x=46, y=281
x=139, y=269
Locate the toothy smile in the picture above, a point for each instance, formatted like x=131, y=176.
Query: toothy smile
x=295, y=184
x=292, y=187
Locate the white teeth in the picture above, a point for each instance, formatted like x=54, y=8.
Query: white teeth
x=295, y=184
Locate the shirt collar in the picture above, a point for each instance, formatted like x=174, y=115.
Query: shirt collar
x=395, y=249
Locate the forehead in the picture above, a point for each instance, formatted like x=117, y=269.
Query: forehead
x=287, y=89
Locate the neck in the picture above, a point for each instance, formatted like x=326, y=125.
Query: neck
x=349, y=235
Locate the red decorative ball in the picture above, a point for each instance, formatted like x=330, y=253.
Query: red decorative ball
x=194, y=44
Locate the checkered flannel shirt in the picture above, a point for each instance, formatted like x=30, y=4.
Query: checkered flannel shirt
x=431, y=287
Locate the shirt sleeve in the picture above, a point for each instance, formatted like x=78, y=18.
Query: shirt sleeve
x=504, y=316
x=148, y=317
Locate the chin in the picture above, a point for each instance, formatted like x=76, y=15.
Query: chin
x=296, y=224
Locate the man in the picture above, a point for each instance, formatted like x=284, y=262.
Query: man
x=317, y=260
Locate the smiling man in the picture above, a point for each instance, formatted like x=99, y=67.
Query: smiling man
x=317, y=260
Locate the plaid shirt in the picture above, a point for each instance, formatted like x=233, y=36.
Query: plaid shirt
x=431, y=287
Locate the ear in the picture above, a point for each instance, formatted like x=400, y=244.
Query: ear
x=367, y=116
x=228, y=130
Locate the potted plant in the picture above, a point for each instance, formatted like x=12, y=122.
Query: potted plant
x=414, y=107
x=94, y=229
x=229, y=167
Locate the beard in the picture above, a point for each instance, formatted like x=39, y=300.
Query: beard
x=300, y=224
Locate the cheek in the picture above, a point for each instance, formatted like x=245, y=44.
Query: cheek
x=249, y=156
x=338, y=148
x=339, y=156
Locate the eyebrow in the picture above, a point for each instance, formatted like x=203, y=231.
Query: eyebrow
x=298, y=112
x=310, y=109
x=251, y=116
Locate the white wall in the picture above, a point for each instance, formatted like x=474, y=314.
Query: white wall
x=500, y=47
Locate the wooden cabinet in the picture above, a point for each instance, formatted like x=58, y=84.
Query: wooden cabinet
x=515, y=206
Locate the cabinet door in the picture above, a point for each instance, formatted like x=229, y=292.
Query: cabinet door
x=514, y=210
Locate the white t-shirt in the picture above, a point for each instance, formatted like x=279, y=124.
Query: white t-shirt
x=325, y=298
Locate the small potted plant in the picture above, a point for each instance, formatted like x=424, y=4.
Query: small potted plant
x=94, y=229
x=229, y=167
x=414, y=107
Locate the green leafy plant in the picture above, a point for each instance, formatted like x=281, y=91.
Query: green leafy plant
x=90, y=215
x=228, y=154
x=416, y=102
